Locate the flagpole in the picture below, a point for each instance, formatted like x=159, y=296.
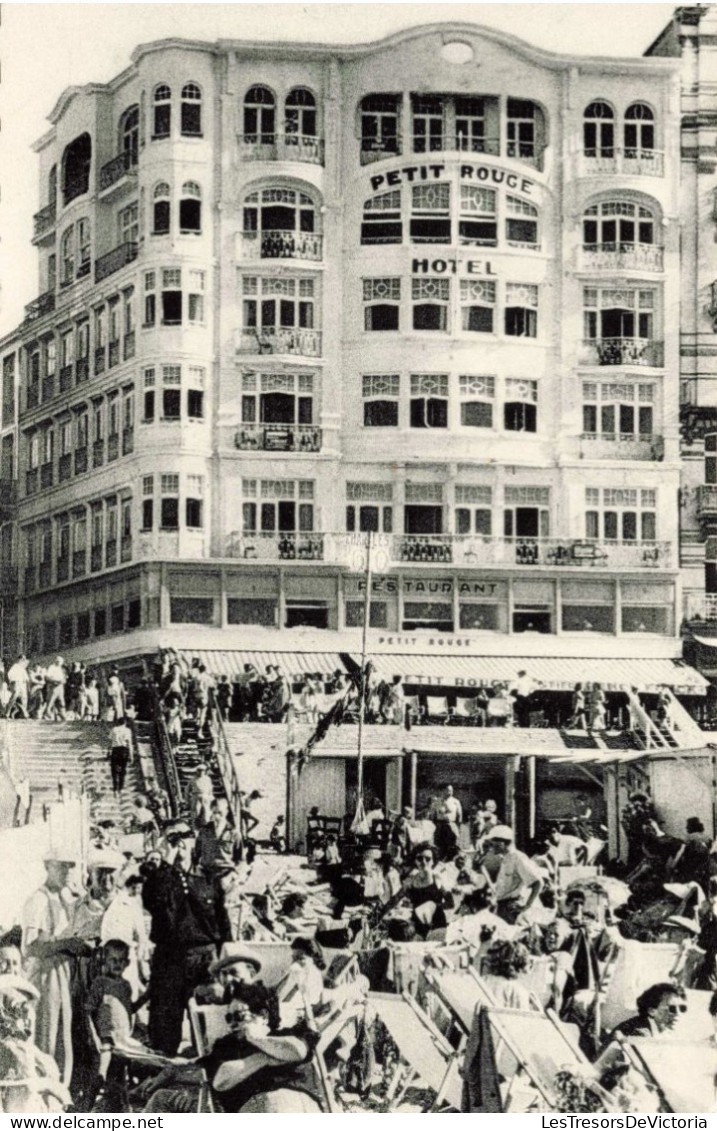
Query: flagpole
x=362, y=703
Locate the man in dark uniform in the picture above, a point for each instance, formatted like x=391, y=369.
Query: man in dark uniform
x=189, y=922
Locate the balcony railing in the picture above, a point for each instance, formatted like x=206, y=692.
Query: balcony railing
x=622, y=256
x=622, y=351
x=282, y=245
x=115, y=259
x=44, y=304
x=66, y=373
x=43, y=222
x=282, y=147
x=621, y=445
x=305, y=343
x=629, y=162
x=278, y=438
x=462, y=550
x=82, y=369
x=116, y=169
x=530, y=153
x=373, y=149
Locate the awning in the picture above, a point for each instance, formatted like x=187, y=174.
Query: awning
x=294, y=665
x=557, y=674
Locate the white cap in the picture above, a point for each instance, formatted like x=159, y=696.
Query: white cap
x=60, y=855
x=500, y=832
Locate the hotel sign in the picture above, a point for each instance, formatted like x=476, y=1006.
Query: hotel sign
x=484, y=174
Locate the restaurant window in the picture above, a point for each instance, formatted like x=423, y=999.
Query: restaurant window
x=478, y=221
x=476, y=395
x=429, y=400
x=431, y=213
x=621, y=514
x=369, y=507
x=381, y=222
x=521, y=310
x=381, y=304
x=379, y=123
x=473, y=511
x=191, y=110
x=477, y=305
x=520, y=409
x=380, y=400
x=430, y=303
x=162, y=111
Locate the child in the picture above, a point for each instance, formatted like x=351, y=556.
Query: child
x=109, y=1003
x=277, y=837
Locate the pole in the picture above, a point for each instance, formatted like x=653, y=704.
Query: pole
x=359, y=818
x=414, y=780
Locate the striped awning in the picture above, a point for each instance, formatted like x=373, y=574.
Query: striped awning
x=555, y=673
x=294, y=665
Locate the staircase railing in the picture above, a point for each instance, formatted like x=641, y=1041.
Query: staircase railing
x=679, y=722
x=225, y=763
x=640, y=720
x=166, y=764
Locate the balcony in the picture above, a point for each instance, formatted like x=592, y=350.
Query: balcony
x=622, y=351
x=66, y=374
x=43, y=224
x=622, y=257
x=374, y=149
x=282, y=147
x=628, y=162
x=117, y=175
x=44, y=304
x=621, y=445
x=282, y=245
x=273, y=340
x=114, y=260
x=98, y=453
x=278, y=438
x=64, y=468
x=82, y=370
x=81, y=461
x=460, y=550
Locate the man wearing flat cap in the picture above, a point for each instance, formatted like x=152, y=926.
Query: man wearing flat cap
x=189, y=921
x=519, y=880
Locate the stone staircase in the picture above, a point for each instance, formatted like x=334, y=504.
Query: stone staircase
x=42, y=751
x=193, y=749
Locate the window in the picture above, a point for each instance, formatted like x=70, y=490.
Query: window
x=618, y=411
x=161, y=209
x=76, y=162
x=259, y=115
x=431, y=213
x=129, y=136
x=150, y=298
x=427, y=115
x=520, y=407
x=473, y=512
x=49, y=350
x=33, y=452
x=380, y=400
x=639, y=130
x=83, y=340
x=611, y=316
x=599, y=130
x=147, y=502
x=711, y=458
x=169, y=502
x=521, y=224
x=382, y=219
x=191, y=110
x=478, y=225
x=195, y=298
x=67, y=257
x=476, y=400
x=281, y=220
x=81, y=428
x=98, y=422
x=149, y=395
x=8, y=388
x=171, y=296
x=477, y=305
x=193, y=501
x=381, y=303
x=617, y=225
x=277, y=398
x=470, y=125
x=111, y=532
x=162, y=108
x=171, y=392
x=430, y=303
x=521, y=310
x=190, y=208
x=521, y=128
x=526, y=513
x=128, y=307
x=300, y=114
x=369, y=507
x=113, y=307
x=128, y=223
x=65, y=434
x=278, y=510
x=379, y=123
x=128, y=410
x=113, y=415
x=621, y=514
x=195, y=393
x=272, y=304
x=84, y=250
x=429, y=400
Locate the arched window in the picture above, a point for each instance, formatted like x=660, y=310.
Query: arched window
x=67, y=256
x=191, y=123
x=259, y=115
x=129, y=136
x=283, y=220
x=160, y=209
x=162, y=110
x=639, y=130
x=190, y=208
x=76, y=161
x=599, y=130
x=300, y=114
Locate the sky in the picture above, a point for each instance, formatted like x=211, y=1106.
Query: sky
x=46, y=47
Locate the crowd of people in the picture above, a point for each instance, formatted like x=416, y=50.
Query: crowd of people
x=60, y=690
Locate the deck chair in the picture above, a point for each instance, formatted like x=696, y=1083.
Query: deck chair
x=425, y=1056
x=436, y=707
x=467, y=712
